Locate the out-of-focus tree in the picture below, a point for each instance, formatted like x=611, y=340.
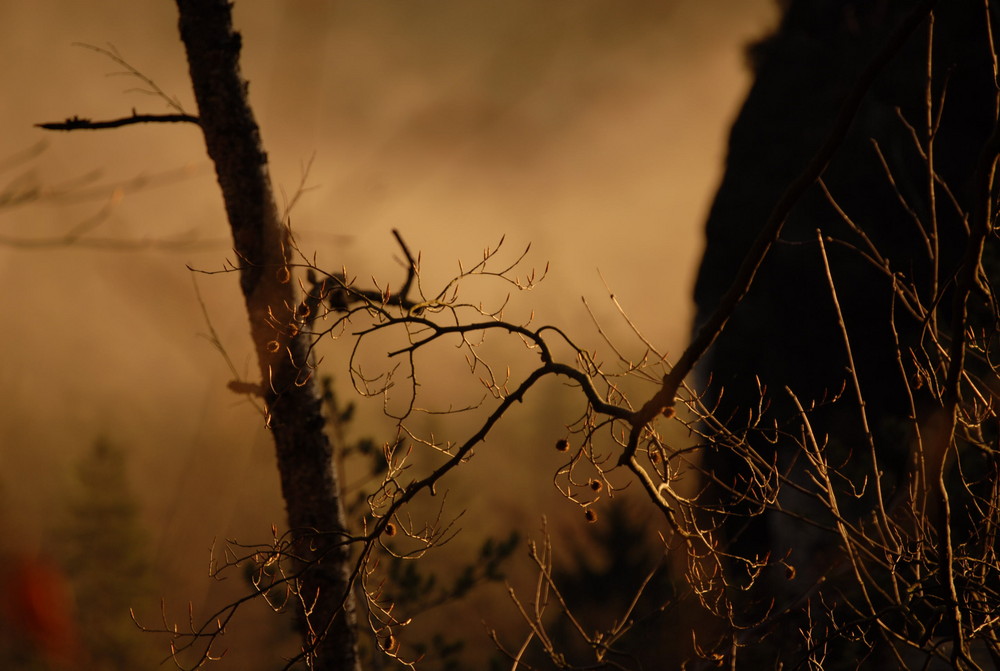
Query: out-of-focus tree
x=103, y=549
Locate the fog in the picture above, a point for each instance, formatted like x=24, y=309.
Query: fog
x=592, y=133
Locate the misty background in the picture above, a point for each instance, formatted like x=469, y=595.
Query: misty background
x=592, y=131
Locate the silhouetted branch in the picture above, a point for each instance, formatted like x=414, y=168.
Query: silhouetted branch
x=710, y=330
x=78, y=123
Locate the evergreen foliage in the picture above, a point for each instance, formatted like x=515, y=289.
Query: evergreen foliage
x=104, y=551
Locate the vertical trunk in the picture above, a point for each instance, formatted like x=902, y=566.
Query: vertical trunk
x=305, y=463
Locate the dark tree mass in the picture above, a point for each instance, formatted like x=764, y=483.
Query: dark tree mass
x=897, y=208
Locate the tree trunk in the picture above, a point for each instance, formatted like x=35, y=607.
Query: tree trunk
x=308, y=480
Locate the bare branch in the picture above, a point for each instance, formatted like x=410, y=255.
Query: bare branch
x=78, y=123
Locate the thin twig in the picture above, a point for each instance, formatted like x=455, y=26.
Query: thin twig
x=711, y=329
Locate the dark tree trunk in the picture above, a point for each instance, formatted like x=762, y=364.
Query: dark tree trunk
x=308, y=480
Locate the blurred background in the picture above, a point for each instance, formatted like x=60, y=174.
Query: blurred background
x=592, y=131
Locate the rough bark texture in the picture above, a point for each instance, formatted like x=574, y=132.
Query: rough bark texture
x=304, y=454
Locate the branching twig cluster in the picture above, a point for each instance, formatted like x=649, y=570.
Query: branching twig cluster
x=903, y=569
